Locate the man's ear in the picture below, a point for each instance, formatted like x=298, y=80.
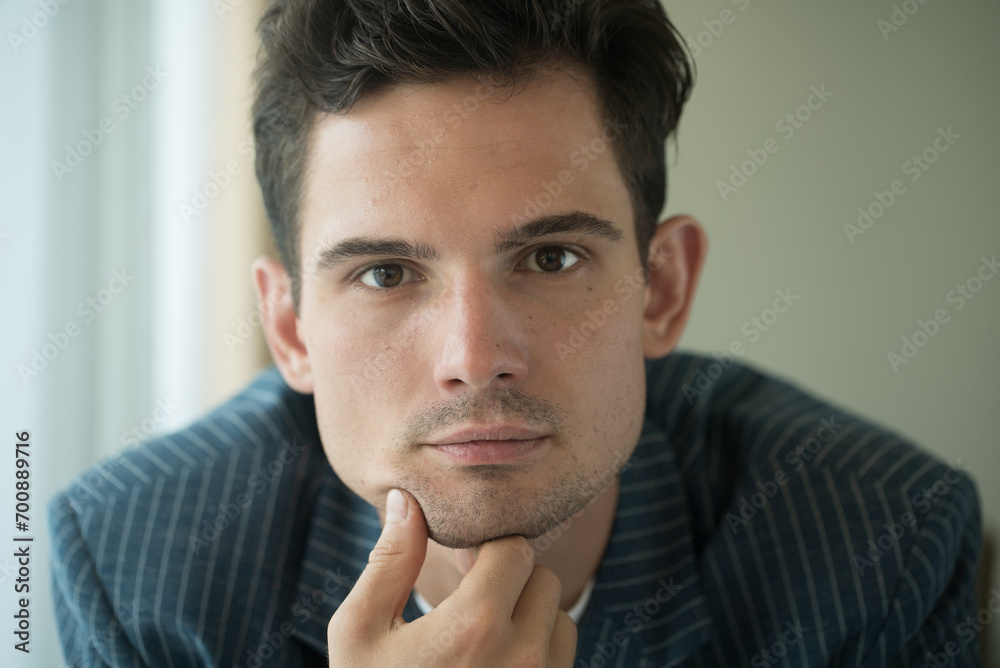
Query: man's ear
x=281, y=323
x=676, y=254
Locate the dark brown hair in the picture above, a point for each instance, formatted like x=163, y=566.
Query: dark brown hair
x=323, y=55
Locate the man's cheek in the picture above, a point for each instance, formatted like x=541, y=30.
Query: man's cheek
x=352, y=455
x=590, y=330
x=356, y=358
x=347, y=413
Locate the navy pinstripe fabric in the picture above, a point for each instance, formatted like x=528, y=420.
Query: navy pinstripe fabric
x=756, y=526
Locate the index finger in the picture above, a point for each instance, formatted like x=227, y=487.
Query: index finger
x=382, y=590
x=499, y=574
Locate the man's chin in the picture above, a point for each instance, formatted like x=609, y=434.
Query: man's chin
x=468, y=541
x=464, y=538
x=470, y=516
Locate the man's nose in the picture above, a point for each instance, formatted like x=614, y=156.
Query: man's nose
x=481, y=340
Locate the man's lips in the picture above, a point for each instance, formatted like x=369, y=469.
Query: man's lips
x=489, y=444
x=499, y=432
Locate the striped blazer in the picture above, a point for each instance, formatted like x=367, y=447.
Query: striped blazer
x=756, y=526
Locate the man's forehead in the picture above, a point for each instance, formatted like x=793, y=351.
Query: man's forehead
x=426, y=155
x=463, y=108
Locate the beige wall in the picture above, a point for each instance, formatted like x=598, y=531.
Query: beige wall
x=238, y=233
x=785, y=226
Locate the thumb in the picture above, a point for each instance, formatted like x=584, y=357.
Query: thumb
x=383, y=589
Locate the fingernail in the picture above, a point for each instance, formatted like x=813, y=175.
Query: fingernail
x=395, y=506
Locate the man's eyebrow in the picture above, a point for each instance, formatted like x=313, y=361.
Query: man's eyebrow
x=577, y=222
x=342, y=251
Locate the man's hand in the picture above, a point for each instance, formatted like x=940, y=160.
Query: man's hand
x=504, y=613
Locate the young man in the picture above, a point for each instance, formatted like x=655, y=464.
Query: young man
x=479, y=448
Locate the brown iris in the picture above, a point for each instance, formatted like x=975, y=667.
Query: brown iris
x=550, y=259
x=388, y=275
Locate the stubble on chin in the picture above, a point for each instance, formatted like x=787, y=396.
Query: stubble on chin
x=493, y=506
x=486, y=502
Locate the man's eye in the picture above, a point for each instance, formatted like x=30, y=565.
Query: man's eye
x=551, y=259
x=386, y=276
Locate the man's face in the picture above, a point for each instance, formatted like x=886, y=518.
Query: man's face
x=469, y=304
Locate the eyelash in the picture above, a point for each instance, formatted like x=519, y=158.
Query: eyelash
x=575, y=250
x=355, y=278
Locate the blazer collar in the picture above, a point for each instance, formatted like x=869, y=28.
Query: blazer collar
x=648, y=600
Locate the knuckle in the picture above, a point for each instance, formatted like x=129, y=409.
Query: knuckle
x=531, y=657
x=385, y=551
x=387, y=560
x=548, y=581
x=343, y=625
x=481, y=624
x=352, y=622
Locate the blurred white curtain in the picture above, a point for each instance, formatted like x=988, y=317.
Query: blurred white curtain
x=104, y=119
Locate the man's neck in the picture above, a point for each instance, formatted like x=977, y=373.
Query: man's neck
x=573, y=550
